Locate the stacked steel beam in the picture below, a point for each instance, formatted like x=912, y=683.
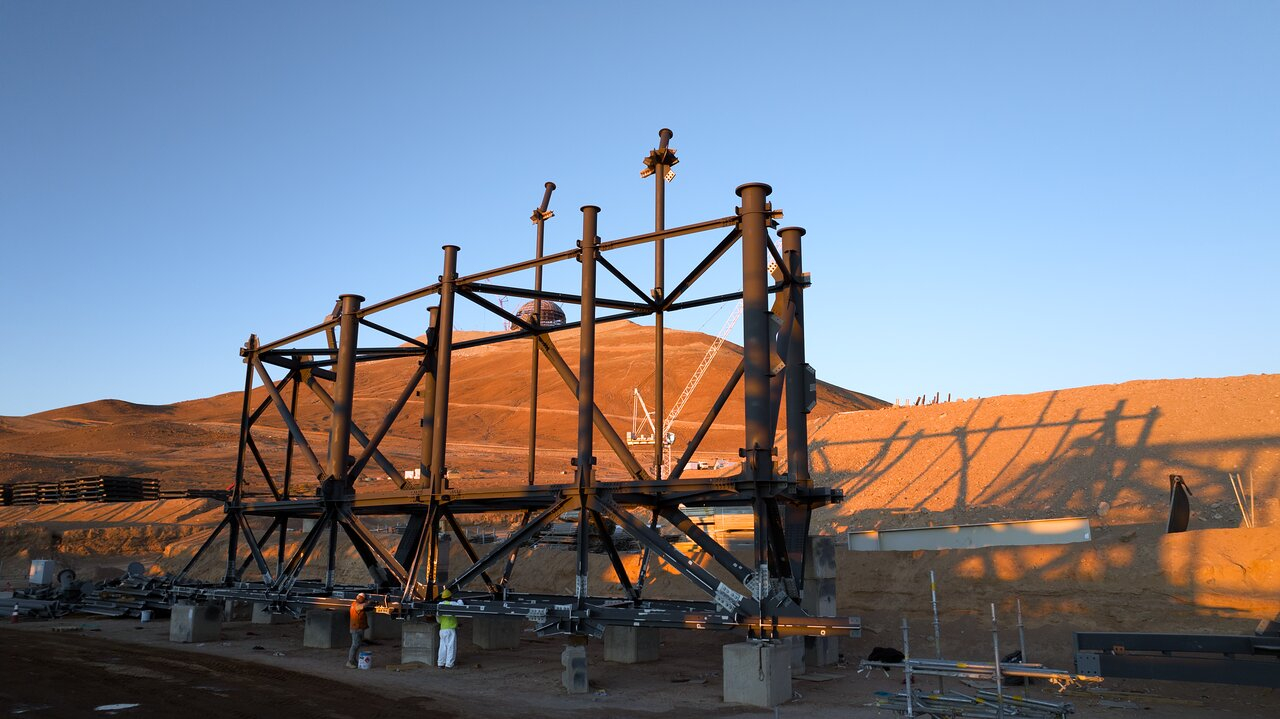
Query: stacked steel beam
x=100, y=488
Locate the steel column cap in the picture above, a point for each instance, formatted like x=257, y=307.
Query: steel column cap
x=743, y=188
x=357, y=298
x=589, y=208
x=446, y=248
x=801, y=230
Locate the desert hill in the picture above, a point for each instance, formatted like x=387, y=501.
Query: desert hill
x=1104, y=451
x=194, y=442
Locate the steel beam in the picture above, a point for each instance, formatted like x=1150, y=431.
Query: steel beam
x=344, y=390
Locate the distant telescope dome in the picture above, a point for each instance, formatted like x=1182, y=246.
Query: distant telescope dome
x=549, y=315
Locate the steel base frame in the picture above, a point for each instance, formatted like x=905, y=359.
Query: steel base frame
x=762, y=596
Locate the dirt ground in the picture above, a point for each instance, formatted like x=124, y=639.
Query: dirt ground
x=1102, y=452
x=262, y=670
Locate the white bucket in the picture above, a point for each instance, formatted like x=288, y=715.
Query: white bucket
x=144, y=615
x=365, y=660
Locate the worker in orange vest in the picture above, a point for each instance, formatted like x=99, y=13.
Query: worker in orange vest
x=359, y=623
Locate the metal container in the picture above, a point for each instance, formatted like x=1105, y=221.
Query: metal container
x=43, y=572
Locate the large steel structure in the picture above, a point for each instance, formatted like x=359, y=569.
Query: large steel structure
x=762, y=597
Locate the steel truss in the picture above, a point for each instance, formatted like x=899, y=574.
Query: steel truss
x=763, y=598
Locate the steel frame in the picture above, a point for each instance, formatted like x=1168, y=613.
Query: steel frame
x=763, y=597
x=1214, y=658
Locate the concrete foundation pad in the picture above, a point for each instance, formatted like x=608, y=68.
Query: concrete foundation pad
x=419, y=642
x=820, y=557
x=819, y=599
x=496, y=632
x=574, y=676
x=382, y=626
x=327, y=629
x=262, y=615
x=631, y=645
x=235, y=610
x=796, y=645
x=757, y=673
x=821, y=651
x=190, y=623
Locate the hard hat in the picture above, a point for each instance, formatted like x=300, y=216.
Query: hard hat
x=445, y=594
x=360, y=597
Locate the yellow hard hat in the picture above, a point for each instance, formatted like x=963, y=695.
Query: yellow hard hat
x=445, y=594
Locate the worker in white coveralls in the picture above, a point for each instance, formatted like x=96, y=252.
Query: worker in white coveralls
x=448, y=633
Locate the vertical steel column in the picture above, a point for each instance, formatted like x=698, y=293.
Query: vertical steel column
x=444, y=357
x=586, y=390
x=659, y=282
x=755, y=325
x=288, y=448
x=233, y=545
x=758, y=448
x=440, y=428
x=344, y=388
x=429, y=395
x=238, y=489
x=796, y=370
x=331, y=556
x=587, y=342
x=540, y=217
x=288, y=471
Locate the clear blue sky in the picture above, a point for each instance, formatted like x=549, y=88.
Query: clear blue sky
x=1001, y=197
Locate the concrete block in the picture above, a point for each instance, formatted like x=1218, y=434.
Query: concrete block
x=819, y=597
x=42, y=572
x=821, y=651
x=189, y=623
x=631, y=645
x=327, y=629
x=757, y=673
x=382, y=626
x=236, y=610
x=796, y=645
x=419, y=642
x=820, y=558
x=574, y=676
x=262, y=615
x=496, y=632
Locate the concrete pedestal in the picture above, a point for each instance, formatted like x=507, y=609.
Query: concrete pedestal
x=327, y=629
x=574, y=676
x=235, y=610
x=496, y=632
x=195, y=623
x=757, y=673
x=419, y=642
x=819, y=598
x=382, y=626
x=630, y=645
x=796, y=647
x=262, y=615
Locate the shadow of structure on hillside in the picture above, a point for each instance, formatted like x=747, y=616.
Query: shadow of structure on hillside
x=1069, y=464
x=1102, y=458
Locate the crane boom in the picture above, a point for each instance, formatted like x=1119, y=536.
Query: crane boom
x=702, y=367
